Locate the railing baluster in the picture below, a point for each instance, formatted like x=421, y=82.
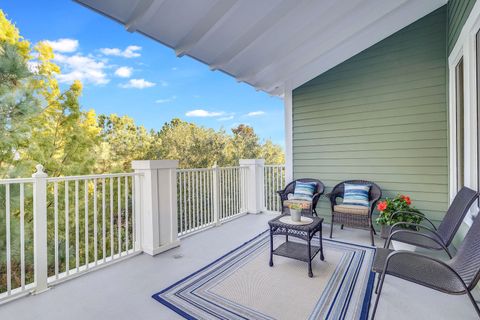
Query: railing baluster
x=112, y=233
x=184, y=214
x=104, y=234
x=95, y=227
x=22, y=235
x=180, y=203
x=119, y=216
x=86, y=223
x=8, y=251
x=67, y=230
x=77, y=230
x=126, y=214
x=55, y=222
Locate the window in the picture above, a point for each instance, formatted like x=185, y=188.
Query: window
x=460, y=136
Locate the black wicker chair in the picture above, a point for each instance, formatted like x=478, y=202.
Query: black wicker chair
x=429, y=236
x=458, y=275
x=290, y=188
x=362, y=221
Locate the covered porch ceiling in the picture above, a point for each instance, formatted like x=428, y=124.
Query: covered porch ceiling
x=272, y=45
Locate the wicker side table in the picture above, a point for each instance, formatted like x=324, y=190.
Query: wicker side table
x=296, y=250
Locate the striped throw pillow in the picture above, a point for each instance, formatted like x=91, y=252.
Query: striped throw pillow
x=356, y=194
x=304, y=190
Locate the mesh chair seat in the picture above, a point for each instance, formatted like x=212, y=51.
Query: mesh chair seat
x=419, y=238
x=418, y=269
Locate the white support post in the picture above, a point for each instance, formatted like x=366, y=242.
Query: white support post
x=288, y=105
x=40, y=230
x=159, y=225
x=255, y=183
x=216, y=199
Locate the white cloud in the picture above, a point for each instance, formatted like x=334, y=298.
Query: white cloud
x=225, y=118
x=172, y=98
x=83, y=68
x=164, y=83
x=203, y=113
x=129, y=52
x=124, y=72
x=255, y=113
x=63, y=45
x=138, y=84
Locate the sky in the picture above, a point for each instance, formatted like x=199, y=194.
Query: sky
x=129, y=74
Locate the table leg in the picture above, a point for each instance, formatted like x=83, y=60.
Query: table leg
x=271, y=248
x=310, y=273
x=321, y=245
x=286, y=238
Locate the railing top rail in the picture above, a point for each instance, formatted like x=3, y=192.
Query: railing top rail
x=274, y=165
x=194, y=169
x=232, y=167
x=16, y=180
x=95, y=176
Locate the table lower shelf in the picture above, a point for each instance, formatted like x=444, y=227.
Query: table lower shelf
x=296, y=250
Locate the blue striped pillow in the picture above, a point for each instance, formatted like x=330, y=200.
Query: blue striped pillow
x=304, y=190
x=356, y=194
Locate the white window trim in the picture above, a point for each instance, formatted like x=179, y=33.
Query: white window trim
x=464, y=47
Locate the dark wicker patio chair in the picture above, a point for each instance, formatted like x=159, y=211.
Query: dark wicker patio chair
x=290, y=188
x=458, y=275
x=354, y=220
x=430, y=237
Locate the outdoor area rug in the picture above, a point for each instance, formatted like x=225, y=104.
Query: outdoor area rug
x=241, y=285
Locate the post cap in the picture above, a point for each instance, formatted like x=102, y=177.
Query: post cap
x=154, y=164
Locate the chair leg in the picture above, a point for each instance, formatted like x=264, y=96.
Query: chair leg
x=475, y=305
x=382, y=279
x=378, y=283
x=371, y=237
x=341, y=227
x=331, y=227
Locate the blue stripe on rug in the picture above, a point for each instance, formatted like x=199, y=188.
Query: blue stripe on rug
x=193, y=298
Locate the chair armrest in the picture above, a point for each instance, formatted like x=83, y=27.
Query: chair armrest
x=332, y=196
x=415, y=214
x=436, y=238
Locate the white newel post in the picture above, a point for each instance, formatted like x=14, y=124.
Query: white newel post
x=255, y=184
x=40, y=229
x=159, y=225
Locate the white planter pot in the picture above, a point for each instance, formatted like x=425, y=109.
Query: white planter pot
x=296, y=215
x=403, y=246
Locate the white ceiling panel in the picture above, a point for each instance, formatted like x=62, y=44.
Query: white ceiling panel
x=272, y=45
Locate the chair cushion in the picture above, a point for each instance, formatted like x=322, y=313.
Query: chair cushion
x=351, y=209
x=356, y=194
x=304, y=190
x=305, y=203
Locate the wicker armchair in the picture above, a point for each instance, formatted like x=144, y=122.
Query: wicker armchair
x=458, y=275
x=354, y=220
x=290, y=188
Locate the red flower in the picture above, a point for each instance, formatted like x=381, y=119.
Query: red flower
x=407, y=199
x=381, y=206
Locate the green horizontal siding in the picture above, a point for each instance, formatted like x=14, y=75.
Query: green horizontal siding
x=458, y=12
x=380, y=116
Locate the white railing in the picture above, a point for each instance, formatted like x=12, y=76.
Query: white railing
x=63, y=227
x=274, y=176
x=53, y=229
x=16, y=223
x=209, y=196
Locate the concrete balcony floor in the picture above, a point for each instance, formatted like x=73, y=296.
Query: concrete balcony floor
x=123, y=290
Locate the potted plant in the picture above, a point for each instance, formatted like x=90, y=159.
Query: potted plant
x=402, y=205
x=295, y=209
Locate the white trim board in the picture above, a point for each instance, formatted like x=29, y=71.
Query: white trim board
x=465, y=47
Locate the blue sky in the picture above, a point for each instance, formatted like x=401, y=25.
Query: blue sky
x=128, y=74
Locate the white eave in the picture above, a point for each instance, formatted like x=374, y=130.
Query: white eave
x=269, y=44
